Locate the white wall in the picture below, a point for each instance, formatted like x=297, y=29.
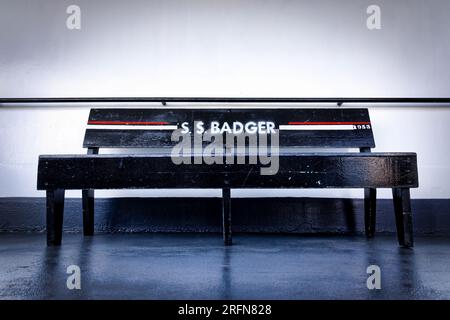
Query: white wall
x=223, y=48
x=233, y=47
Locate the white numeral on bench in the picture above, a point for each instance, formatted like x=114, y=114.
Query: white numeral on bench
x=361, y=126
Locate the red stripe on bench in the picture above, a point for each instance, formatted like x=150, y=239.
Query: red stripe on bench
x=327, y=123
x=134, y=123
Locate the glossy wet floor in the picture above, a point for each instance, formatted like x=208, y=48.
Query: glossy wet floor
x=197, y=266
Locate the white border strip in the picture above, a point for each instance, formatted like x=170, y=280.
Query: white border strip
x=132, y=127
x=318, y=127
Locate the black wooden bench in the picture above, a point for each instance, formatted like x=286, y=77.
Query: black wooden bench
x=297, y=128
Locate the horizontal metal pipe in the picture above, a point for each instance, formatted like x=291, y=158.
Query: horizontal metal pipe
x=164, y=100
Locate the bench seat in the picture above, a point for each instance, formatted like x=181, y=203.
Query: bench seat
x=301, y=170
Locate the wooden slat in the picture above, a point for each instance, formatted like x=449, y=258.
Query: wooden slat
x=112, y=137
x=325, y=170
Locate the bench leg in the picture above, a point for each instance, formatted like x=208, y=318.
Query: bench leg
x=55, y=213
x=226, y=215
x=370, y=211
x=88, y=212
x=403, y=216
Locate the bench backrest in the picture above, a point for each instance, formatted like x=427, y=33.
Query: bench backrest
x=152, y=128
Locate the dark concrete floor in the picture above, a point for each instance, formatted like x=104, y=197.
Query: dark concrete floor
x=188, y=266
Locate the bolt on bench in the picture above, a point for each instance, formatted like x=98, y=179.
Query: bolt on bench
x=297, y=129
